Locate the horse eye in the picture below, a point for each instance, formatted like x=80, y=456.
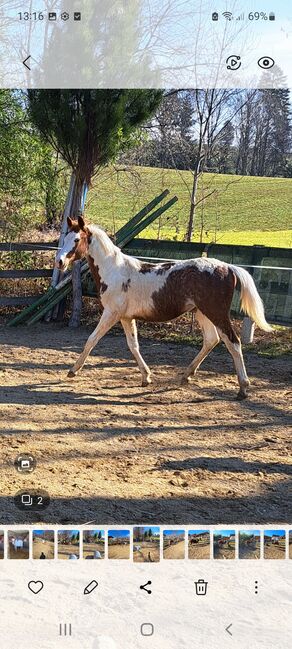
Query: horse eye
x=76, y=240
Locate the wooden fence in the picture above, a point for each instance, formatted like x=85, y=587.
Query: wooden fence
x=270, y=267
x=11, y=274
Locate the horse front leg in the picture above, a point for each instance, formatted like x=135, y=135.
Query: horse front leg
x=107, y=321
x=130, y=330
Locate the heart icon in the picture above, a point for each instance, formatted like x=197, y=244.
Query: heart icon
x=35, y=586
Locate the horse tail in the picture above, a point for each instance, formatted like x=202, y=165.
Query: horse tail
x=250, y=300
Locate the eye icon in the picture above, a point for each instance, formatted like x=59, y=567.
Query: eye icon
x=266, y=62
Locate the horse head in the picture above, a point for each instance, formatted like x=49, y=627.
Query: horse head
x=75, y=244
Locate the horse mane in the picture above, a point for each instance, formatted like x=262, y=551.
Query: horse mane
x=102, y=238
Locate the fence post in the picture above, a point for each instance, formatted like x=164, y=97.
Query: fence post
x=247, y=330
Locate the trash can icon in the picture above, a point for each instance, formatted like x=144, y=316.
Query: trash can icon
x=201, y=587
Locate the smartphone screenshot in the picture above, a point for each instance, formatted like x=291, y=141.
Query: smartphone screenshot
x=146, y=313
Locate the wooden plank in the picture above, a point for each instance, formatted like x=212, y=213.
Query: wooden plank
x=147, y=221
x=183, y=249
x=52, y=297
x=123, y=231
x=26, y=274
x=18, y=247
x=19, y=300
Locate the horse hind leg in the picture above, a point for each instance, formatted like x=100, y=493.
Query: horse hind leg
x=210, y=340
x=130, y=330
x=233, y=344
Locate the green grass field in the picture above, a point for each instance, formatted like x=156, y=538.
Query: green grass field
x=241, y=210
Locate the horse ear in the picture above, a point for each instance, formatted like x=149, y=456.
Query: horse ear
x=81, y=222
x=69, y=222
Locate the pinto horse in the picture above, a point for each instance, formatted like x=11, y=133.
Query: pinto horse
x=132, y=290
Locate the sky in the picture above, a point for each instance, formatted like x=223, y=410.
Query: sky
x=224, y=532
x=173, y=532
x=198, y=531
x=273, y=532
x=119, y=533
x=42, y=532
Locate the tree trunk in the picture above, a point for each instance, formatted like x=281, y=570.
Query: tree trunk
x=56, y=277
x=191, y=222
x=76, y=270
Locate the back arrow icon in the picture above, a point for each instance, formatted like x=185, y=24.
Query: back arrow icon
x=25, y=62
x=227, y=629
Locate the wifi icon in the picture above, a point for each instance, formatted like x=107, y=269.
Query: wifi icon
x=228, y=15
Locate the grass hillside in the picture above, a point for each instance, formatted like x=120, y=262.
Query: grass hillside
x=244, y=210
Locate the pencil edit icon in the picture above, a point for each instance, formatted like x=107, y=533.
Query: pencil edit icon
x=90, y=587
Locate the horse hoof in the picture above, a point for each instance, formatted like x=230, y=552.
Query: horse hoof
x=241, y=395
x=71, y=374
x=146, y=382
x=185, y=380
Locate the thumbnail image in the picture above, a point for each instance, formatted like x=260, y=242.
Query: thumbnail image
x=93, y=544
x=68, y=544
x=146, y=544
x=1, y=545
x=119, y=544
x=249, y=544
x=224, y=544
x=43, y=544
x=18, y=545
x=274, y=544
x=199, y=544
x=290, y=544
x=173, y=544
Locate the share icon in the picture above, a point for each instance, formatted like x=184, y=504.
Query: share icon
x=144, y=587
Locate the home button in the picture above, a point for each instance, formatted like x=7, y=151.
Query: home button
x=147, y=629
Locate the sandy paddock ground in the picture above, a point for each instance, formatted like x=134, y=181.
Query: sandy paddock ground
x=20, y=553
x=142, y=556
x=199, y=551
x=110, y=451
x=47, y=547
x=90, y=548
x=64, y=551
x=273, y=551
x=117, y=551
x=224, y=552
x=250, y=551
x=174, y=551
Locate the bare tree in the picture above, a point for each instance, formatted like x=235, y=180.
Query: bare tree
x=214, y=109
